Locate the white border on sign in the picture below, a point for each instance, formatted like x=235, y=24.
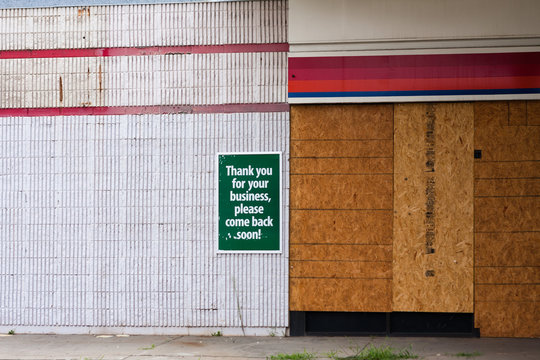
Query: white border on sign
x=216, y=235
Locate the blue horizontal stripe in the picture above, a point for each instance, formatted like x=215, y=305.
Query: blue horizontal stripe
x=413, y=93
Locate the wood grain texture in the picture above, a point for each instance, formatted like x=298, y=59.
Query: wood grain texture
x=341, y=269
x=509, y=143
x=507, y=219
x=507, y=275
x=343, y=122
x=533, y=113
x=517, y=113
x=341, y=227
x=341, y=252
x=507, y=249
x=341, y=191
x=342, y=148
x=507, y=169
x=342, y=165
x=363, y=295
x=507, y=214
x=507, y=319
x=451, y=289
x=506, y=187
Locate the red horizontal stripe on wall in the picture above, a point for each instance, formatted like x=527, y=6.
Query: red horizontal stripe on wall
x=415, y=84
x=415, y=61
x=414, y=72
x=142, y=110
x=153, y=50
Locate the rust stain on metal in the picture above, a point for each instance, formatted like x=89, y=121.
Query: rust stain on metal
x=61, y=90
x=83, y=11
x=100, y=79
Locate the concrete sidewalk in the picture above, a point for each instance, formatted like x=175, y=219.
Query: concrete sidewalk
x=235, y=348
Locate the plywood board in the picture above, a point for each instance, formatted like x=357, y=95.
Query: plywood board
x=342, y=148
x=514, y=249
x=533, y=113
x=517, y=113
x=433, y=208
x=344, y=122
x=341, y=191
x=507, y=319
x=340, y=269
x=490, y=114
x=370, y=253
x=507, y=214
x=507, y=275
x=506, y=169
x=363, y=295
x=508, y=293
x=507, y=187
x=341, y=227
x=510, y=143
x=341, y=166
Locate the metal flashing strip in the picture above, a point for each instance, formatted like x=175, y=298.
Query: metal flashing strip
x=144, y=51
x=144, y=110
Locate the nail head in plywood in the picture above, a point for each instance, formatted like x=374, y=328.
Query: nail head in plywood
x=433, y=167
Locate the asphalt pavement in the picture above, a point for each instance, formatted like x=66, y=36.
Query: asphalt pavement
x=86, y=347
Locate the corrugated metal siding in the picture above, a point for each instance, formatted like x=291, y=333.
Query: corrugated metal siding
x=194, y=79
x=236, y=22
x=109, y=221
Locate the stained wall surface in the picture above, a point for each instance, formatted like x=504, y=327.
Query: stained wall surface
x=507, y=218
x=341, y=208
x=108, y=222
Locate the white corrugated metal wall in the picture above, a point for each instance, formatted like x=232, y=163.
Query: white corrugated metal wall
x=107, y=223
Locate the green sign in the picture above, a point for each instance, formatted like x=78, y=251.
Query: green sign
x=249, y=202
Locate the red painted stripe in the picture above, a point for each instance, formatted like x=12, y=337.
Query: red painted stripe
x=415, y=61
x=153, y=50
x=433, y=72
x=142, y=110
x=521, y=82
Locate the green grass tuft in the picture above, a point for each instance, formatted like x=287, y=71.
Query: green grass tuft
x=468, y=354
x=296, y=356
x=378, y=353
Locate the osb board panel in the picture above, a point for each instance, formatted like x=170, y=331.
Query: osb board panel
x=512, y=292
x=490, y=114
x=370, y=253
x=507, y=169
x=507, y=214
x=342, y=148
x=533, y=113
x=341, y=227
x=506, y=187
x=362, y=295
x=517, y=113
x=441, y=281
x=507, y=249
x=340, y=269
x=314, y=122
x=341, y=191
x=507, y=319
x=341, y=166
x=507, y=275
x=509, y=143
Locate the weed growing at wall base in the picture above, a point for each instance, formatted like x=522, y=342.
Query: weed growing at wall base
x=295, y=356
x=370, y=352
